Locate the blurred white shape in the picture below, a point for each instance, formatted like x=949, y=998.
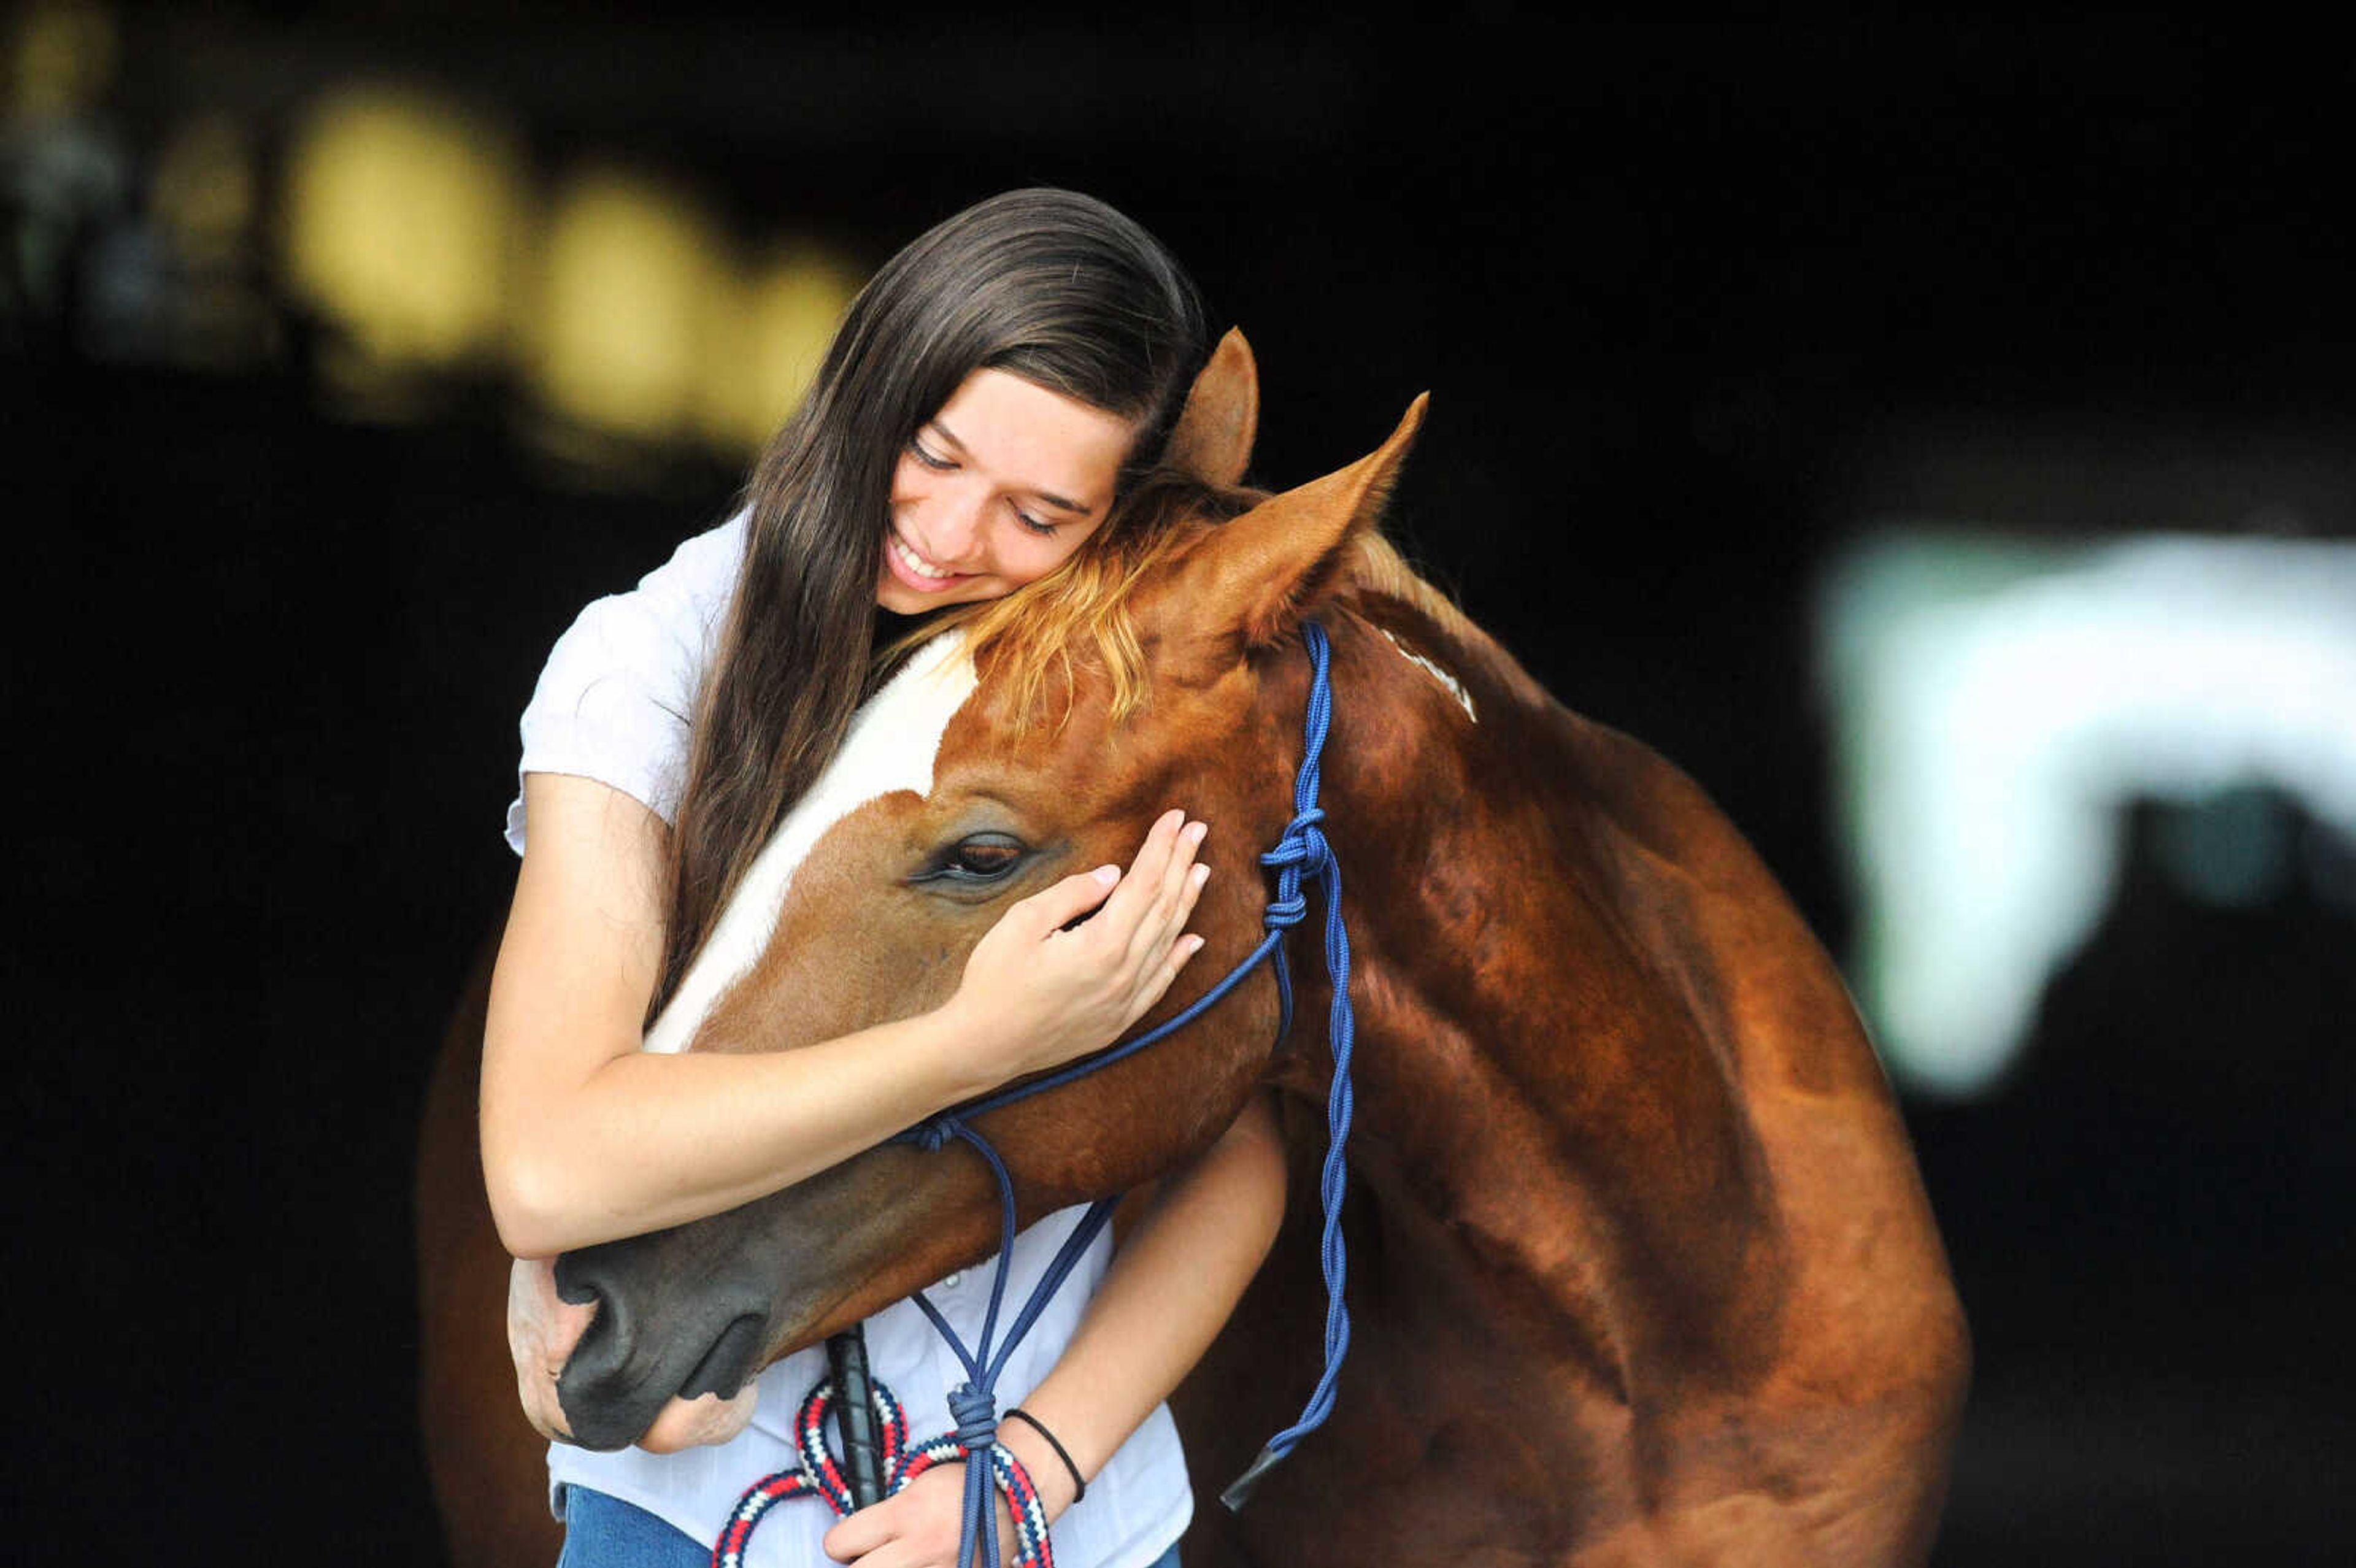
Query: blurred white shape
x=1997, y=705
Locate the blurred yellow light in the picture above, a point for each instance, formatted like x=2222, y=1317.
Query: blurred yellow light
x=631, y=273
x=762, y=353
x=402, y=219
x=203, y=190
x=64, y=59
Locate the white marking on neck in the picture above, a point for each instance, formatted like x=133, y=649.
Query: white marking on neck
x=1455, y=688
x=894, y=741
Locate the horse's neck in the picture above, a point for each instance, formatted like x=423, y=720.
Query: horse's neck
x=1524, y=1047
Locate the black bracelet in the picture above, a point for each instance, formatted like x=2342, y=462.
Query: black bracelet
x=1079, y=1487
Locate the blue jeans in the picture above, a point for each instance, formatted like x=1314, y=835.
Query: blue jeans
x=601, y=1531
x=607, y=1532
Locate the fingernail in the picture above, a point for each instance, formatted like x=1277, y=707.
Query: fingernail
x=1107, y=875
x=1201, y=874
x=1194, y=945
x=1196, y=833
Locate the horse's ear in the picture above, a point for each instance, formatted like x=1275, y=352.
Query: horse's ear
x=1252, y=578
x=1212, y=438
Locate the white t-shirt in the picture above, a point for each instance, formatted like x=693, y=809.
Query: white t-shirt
x=613, y=704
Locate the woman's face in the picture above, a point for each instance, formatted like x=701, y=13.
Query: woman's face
x=997, y=489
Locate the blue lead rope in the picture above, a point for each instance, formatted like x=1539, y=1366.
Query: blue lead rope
x=1302, y=855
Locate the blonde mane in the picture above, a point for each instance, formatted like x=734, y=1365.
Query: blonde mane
x=1036, y=639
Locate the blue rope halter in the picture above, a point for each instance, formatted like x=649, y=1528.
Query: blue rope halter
x=1302, y=855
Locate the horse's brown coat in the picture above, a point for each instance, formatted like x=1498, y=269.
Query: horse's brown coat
x=1640, y=1268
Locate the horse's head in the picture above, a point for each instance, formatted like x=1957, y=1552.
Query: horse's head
x=960, y=790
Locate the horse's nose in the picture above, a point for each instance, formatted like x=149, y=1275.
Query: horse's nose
x=643, y=1347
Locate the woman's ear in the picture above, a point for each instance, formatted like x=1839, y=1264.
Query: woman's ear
x=1213, y=439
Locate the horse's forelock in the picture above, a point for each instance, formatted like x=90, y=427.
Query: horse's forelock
x=1083, y=615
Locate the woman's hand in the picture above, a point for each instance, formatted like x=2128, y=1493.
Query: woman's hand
x=918, y=1526
x=1036, y=994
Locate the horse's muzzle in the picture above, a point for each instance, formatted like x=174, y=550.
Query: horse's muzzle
x=640, y=1352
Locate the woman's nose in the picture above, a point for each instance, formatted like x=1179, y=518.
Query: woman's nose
x=955, y=530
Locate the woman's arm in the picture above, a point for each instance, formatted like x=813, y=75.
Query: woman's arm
x=1169, y=1290
x=587, y=1137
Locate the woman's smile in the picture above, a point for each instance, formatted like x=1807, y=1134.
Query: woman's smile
x=912, y=568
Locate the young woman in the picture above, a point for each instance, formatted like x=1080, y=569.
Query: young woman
x=987, y=399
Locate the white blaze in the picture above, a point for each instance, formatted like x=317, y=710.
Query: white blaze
x=892, y=746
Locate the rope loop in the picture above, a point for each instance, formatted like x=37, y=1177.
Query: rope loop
x=1283, y=914
x=815, y=1472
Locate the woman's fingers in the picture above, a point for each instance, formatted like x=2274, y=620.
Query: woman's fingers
x=1054, y=907
x=1180, y=882
x=1163, y=974
x=1133, y=899
x=1179, y=887
x=1147, y=898
x=916, y=1528
x=861, y=1534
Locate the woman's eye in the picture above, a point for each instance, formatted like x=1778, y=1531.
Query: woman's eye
x=1034, y=524
x=916, y=450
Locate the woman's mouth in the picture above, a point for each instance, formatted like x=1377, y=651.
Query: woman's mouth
x=914, y=570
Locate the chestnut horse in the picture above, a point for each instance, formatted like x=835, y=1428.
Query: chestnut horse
x=1640, y=1267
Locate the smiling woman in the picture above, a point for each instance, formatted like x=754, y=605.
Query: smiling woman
x=989, y=398
x=996, y=490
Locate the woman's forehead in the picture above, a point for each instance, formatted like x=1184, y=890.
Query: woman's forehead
x=1032, y=437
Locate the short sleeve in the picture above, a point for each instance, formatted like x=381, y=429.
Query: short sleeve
x=615, y=699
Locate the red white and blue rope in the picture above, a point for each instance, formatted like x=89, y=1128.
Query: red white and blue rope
x=817, y=1473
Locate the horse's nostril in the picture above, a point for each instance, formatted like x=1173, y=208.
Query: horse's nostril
x=574, y=1285
x=604, y=1337
x=728, y=1363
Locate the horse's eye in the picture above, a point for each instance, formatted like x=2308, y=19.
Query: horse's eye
x=981, y=858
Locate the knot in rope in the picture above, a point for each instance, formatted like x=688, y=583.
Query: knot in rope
x=1283, y=914
x=1302, y=853
x=932, y=1135
x=976, y=1416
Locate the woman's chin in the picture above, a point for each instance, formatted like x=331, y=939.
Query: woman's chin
x=905, y=602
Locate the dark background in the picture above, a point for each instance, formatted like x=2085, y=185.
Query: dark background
x=1695, y=305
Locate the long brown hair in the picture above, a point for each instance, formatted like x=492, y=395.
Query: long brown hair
x=1047, y=284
